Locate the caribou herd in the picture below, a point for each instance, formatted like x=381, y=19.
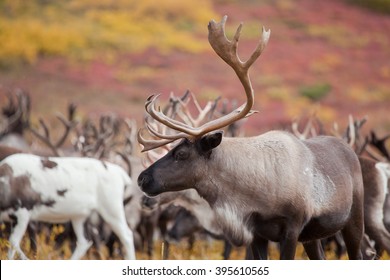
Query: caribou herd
x=197, y=175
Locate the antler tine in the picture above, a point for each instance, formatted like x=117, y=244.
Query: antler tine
x=227, y=49
x=131, y=125
x=335, y=130
x=203, y=113
x=69, y=125
x=165, y=136
x=351, y=134
x=151, y=144
x=306, y=131
x=45, y=138
x=295, y=130
x=175, y=101
x=186, y=115
x=213, y=108
x=169, y=122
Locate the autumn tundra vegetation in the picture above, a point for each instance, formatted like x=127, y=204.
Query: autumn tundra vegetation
x=122, y=134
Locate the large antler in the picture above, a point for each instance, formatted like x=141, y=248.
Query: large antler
x=227, y=50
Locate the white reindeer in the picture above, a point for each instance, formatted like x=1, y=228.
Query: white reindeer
x=62, y=189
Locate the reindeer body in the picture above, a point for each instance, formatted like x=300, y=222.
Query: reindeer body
x=273, y=186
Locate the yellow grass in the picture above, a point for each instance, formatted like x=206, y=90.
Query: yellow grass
x=202, y=250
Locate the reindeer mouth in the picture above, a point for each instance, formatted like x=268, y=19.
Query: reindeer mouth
x=148, y=185
x=151, y=193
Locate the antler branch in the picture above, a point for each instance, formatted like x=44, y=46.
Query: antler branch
x=69, y=125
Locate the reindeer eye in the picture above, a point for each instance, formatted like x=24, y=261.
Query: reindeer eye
x=181, y=155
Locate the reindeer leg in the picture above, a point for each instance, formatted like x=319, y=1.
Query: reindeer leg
x=126, y=237
x=165, y=252
x=32, y=229
x=314, y=250
x=353, y=235
x=22, y=220
x=149, y=227
x=288, y=244
x=119, y=226
x=340, y=245
x=352, y=242
x=258, y=249
x=227, y=249
x=353, y=231
x=83, y=244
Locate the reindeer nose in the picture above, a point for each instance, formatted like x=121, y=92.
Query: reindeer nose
x=143, y=179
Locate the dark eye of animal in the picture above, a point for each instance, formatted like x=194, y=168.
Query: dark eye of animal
x=181, y=155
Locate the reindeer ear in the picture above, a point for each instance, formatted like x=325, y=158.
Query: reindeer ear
x=210, y=141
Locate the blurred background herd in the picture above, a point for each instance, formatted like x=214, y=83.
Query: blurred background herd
x=328, y=59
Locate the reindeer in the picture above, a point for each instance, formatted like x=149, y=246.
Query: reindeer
x=57, y=190
x=269, y=187
x=199, y=208
x=183, y=225
x=375, y=179
x=376, y=174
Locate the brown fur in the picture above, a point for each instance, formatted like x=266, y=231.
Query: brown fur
x=16, y=191
x=61, y=192
x=46, y=163
x=6, y=151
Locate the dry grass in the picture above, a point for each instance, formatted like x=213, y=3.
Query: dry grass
x=209, y=249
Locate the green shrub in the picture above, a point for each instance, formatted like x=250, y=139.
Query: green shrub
x=382, y=6
x=315, y=92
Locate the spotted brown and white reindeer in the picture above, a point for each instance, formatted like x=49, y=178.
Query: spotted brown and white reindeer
x=272, y=186
x=62, y=189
